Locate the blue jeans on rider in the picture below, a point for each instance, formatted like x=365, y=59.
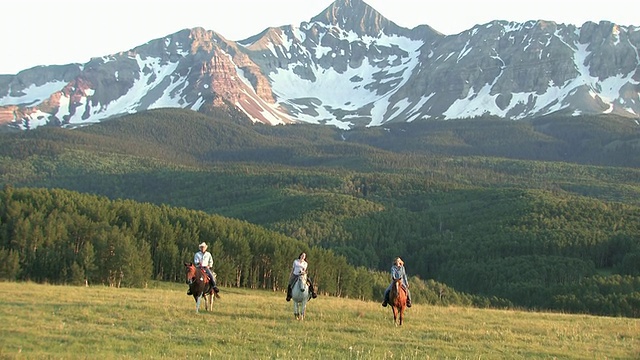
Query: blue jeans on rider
x=211, y=278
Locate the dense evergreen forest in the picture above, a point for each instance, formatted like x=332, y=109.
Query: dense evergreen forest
x=485, y=212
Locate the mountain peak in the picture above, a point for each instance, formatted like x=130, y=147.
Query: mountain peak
x=356, y=16
x=348, y=67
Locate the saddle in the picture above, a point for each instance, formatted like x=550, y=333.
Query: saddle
x=208, y=284
x=203, y=273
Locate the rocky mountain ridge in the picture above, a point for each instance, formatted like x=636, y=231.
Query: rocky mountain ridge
x=347, y=67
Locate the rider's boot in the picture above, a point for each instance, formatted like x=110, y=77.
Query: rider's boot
x=312, y=290
x=214, y=287
x=386, y=299
x=288, y=292
x=408, y=302
x=189, y=292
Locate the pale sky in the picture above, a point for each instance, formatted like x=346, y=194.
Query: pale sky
x=54, y=32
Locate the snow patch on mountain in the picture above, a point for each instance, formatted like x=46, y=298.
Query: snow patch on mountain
x=171, y=95
x=340, y=97
x=130, y=102
x=33, y=94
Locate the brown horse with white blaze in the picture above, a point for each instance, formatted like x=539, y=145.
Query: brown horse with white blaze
x=199, y=286
x=398, y=301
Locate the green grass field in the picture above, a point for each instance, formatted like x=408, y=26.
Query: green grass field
x=63, y=322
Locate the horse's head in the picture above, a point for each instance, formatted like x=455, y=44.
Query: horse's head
x=190, y=271
x=302, y=281
x=397, y=287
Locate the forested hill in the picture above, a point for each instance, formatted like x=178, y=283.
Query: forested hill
x=63, y=237
x=507, y=225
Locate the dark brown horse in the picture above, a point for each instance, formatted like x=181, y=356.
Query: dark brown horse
x=398, y=301
x=199, y=286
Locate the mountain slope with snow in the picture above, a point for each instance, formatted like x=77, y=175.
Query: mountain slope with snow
x=347, y=67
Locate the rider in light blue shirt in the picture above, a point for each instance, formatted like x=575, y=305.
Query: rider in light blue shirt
x=398, y=272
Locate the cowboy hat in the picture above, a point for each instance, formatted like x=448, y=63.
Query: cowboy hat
x=203, y=245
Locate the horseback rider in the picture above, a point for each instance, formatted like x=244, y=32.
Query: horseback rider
x=204, y=261
x=397, y=272
x=299, y=268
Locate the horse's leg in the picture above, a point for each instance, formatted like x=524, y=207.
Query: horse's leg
x=301, y=310
x=198, y=303
x=401, y=315
x=395, y=315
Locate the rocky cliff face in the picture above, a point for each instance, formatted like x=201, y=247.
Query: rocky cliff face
x=348, y=66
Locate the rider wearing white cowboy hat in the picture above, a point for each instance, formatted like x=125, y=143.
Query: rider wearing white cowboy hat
x=204, y=260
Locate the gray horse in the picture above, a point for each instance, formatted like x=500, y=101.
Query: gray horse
x=300, y=295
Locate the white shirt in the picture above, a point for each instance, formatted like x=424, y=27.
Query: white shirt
x=203, y=259
x=299, y=266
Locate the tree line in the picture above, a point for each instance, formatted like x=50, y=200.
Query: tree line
x=63, y=237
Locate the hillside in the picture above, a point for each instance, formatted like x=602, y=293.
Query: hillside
x=44, y=321
x=506, y=226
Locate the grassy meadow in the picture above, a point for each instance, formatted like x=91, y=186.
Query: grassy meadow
x=64, y=322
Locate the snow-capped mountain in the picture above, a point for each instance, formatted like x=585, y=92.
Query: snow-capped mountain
x=348, y=66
